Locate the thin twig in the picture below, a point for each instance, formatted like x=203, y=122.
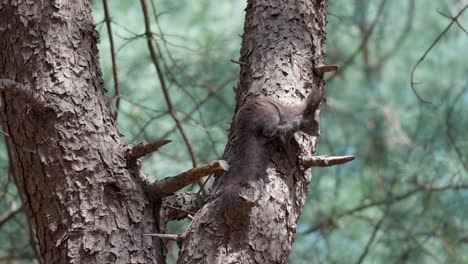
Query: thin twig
x=189, y=214
x=412, y=82
x=177, y=238
x=163, y=84
x=456, y=21
x=33, y=243
x=114, y=62
x=238, y=62
x=145, y=125
x=185, y=202
x=392, y=199
x=202, y=187
x=5, y=218
x=363, y=43
x=404, y=34
x=189, y=115
x=448, y=131
x=371, y=239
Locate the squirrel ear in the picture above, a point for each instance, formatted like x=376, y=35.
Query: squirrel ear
x=313, y=101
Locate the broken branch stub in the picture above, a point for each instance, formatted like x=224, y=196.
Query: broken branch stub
x=326, y=161
x=327, y=68
x=170, y=185
x=143, y=149
x=178, y=238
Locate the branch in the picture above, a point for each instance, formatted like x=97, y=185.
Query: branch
x=143, y=149
x=327, y=68
x=326, y=161
x=363, y=43
x=114, y=63
x=412, y=82
x=170, y=185
x=177, y=238
x=34, y=243
x=162, y=81
x=187, y=214
x=371, y=239
x=456, y=21
x=449, y=130
x=238, y=62
x=24, y=93
x=9, y=216
x=386, y=201
x=180, y=205
x=404, y=34
x=211, y=91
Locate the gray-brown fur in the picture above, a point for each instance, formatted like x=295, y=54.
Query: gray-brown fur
x=259, y=122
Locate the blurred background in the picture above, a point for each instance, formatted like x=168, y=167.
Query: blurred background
x=403, y=200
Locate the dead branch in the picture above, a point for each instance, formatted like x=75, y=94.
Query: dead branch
x=238, y=62
x=143, y=149
x=24, y=93
x=327, y=68
x=326, y=161
x=188, y=214
x=180, y=205
x=170, y=185
x=177, y=238
x=34, y=243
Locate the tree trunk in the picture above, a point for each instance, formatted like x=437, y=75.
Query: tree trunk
x=280, y=55
x=82, y=195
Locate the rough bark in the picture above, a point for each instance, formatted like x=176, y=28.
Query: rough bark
x=281, y=57
x=83, y=197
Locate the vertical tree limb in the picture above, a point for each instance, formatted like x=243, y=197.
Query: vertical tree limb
x=114, y=61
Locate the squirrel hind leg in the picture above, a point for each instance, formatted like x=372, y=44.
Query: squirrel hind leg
x=284, y=142
x=235, y=202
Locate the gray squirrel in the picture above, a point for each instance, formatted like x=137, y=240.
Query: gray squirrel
x=258, y=122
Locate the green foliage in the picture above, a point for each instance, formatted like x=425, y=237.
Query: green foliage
x=401, y=144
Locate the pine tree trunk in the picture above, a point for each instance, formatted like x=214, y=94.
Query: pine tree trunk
x=83, y=197
x=281, y=50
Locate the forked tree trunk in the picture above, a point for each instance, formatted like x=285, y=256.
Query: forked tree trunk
x=281, y=51
x=84, y=200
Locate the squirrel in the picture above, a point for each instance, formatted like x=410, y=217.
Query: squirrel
x=258, y=122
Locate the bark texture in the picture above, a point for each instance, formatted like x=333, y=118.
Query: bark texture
x=281, y=51
x=85, y=201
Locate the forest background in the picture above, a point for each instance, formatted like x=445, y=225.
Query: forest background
x=399, y=104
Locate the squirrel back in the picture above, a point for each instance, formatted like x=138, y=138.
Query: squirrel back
x=258, y=122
